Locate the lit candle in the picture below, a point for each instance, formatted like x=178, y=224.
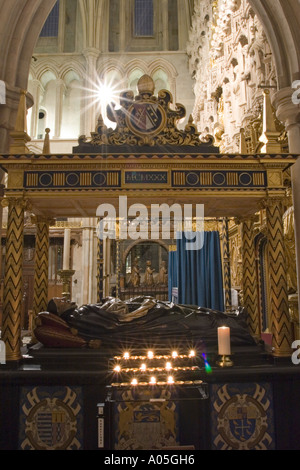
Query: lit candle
x=117, y=369
x=168, y=366
x=192, y=353
x=134, y=382
x=174, y=354
x=143, y=367
x=150, y=355
x=224, y=341
x=153, y=380
x=126, y=355
x=170, y=380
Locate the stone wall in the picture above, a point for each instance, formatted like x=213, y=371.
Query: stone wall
x=231, y=62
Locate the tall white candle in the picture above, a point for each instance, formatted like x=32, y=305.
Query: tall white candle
x=224, y=341
x=67, y=244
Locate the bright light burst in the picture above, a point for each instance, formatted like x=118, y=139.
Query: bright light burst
x=101, y=94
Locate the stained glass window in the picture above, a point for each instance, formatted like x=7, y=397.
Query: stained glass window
x=50, y=28
x=143, y=18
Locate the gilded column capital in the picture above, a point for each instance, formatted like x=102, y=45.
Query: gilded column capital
x=20, y=202
x=277, y=200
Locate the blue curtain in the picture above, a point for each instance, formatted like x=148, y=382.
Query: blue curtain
x=172, y=272
x=199, y=273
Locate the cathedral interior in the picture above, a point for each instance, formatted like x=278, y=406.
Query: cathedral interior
x=137, y=106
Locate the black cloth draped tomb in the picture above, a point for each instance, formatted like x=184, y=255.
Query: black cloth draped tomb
x=143, y=320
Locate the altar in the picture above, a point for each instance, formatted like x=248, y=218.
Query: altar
x=52, y=404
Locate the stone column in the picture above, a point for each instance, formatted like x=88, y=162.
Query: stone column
x=19, y=135
x=67, y=247
x=90, y=105
x=289, y=113
x=13, y=279
x=41, y=265
x=89, y=262
x=280, y=323
x=122, y=33
x=60, y=90
x=249, y=275
x=37, y=88
x=165, y=26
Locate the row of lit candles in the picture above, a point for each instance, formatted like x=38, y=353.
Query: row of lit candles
x=151, y=355
x=153, y=382
x=144, y=368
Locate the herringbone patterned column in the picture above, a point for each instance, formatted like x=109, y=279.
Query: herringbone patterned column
x=280, y=323
x=226, y=264
x=40, y=295
x=13, y=279
x=100, y=264
x=250, y=286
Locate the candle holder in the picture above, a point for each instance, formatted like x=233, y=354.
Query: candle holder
x=224, y=361
x=66, y=276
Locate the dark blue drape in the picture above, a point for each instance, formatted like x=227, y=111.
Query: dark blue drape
x=199, y=273
x=172, y=272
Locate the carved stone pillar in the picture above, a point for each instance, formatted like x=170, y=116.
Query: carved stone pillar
x=40, y=295
x=60, y=90
x=280, y=323
x=36, y=91
x=250, y=286
x=13, y=279
x=89, y=261
x=91, y=106
x=19, y=135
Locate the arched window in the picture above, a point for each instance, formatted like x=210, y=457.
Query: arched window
x=143, y=18
x=50, y=28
